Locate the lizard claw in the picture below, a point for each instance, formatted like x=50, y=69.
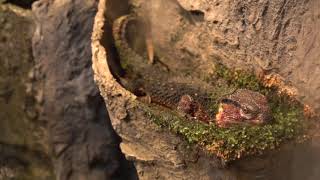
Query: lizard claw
x=150, y=49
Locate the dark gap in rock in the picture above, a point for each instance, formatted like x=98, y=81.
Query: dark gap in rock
x=121, y=7
x=126, y=170
x=112, y=55
x=215, y=22
x=197, y=15
x=26, y=4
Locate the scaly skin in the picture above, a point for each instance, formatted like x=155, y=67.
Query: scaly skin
x=189, y=101
x=119, y=34
x=241, y=107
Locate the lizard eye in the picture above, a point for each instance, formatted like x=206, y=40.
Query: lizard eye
x=245, y=110
x=246, y=113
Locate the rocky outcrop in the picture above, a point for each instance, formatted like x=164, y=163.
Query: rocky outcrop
x=274, y=36
x=160, y=154
x=54, y=124
x=24, y=150
x=83, y=143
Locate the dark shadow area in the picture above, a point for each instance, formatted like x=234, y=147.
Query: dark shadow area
x=119, y=8
x=22, y=3
x=20, y=157
x=127, y=170
x=197, y=15
x=113, y=56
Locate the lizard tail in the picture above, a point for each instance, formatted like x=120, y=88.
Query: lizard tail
x=126, y=52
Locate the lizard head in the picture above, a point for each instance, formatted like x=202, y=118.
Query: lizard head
x=243, y=107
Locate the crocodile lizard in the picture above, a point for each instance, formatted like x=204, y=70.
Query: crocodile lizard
x=241, y=107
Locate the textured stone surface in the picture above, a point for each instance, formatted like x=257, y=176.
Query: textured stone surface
x=270, y=36
x=83, y=143
x=23, y=149
x=276, y=36
x=247, y=34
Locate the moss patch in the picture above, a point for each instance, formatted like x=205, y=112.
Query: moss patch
x=239, y=141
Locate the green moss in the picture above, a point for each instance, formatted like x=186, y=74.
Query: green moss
x=239, y=141
x=238, y=78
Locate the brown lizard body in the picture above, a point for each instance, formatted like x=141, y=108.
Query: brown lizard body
x=181, y=97
x=241, y=107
